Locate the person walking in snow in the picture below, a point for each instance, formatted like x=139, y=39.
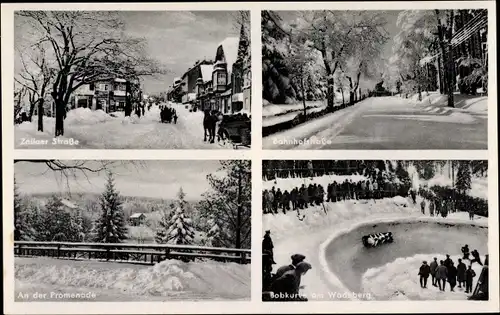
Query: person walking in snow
x=433, y=267
x=452, y=276
x=441, y=273
x=422, y=206
x=424, y=273
x=471, y=213
x=321, y=194
x=461, y=269
x=469, y=279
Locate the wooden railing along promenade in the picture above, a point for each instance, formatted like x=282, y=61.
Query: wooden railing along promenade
x=134, y=253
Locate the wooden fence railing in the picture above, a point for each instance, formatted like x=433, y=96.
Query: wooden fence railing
x=138, y=253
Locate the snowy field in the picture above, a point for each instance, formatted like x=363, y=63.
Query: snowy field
x=166, y=281
x=99, y=130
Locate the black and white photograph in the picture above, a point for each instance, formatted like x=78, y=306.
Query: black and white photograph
x=132, y=80
x=135, y=230
x=383, y=230
x=385, y=79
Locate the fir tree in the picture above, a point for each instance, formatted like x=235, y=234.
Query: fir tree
x=23, y=224
x=213, y=233
x=180, y=229
x=161, y=236
x=110, y=226
x=404, y=178
x=463, y=183
x=55, y=223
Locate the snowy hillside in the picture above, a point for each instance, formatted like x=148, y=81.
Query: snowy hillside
x=169, y=279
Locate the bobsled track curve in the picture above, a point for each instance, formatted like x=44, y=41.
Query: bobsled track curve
x=344, y=260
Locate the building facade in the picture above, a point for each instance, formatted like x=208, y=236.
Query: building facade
x=109, y=96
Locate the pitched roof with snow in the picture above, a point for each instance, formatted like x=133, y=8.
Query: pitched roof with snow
x=137, y=215
x=68, y=204
x=230, y=49
x=206, y=72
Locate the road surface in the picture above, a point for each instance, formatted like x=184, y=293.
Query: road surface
x=388, y=123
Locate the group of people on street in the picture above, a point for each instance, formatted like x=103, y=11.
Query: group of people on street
x=284, y=284
x=446, y=271
x=314, y=194
x=168, y=114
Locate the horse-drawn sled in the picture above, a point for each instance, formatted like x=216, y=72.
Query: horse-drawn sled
x=377, y=239
x=236, y=128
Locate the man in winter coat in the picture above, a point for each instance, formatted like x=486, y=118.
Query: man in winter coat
x=285, y=201
x=441, y=274
x=286, y=287
x=469, y=279
x=465, y=251
x=471, y=214
x=268, y=246
x=461, y=269
x=310, y=193
x=277, y=200
x=424, y=273
x=306, y=196
x=293, y=198
x=296, y=259
x=452, y=276
x=433, y=267
x=477, y=257
x=431, y=208
x=448, y=261
x=422, y=206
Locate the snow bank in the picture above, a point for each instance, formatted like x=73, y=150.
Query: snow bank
x=81, y=116
x=313, y=218
x=325, y=180
x=470, y=103
x=399, y=281
x=277, y=109
x=163, y=279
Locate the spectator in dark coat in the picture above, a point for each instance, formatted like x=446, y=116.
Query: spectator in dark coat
x=296, y=259
x=452, y=276
x=477, y=257
x=293, y=198
x=289, y=283
x=441, y=274
x=469, y=279
x=268, y=246
x=306, y=196
x=466, y=251
x=286, y=201
x=461, y=269
x=277, y=199
x=321, y=194
x=433, y=266
x=424, y=272
x=448, y=261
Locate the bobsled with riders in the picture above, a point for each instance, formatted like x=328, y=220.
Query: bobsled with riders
x=236, y=128
x=377, y=239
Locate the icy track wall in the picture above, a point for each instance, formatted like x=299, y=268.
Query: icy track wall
x=344, y=260
x=226, y=280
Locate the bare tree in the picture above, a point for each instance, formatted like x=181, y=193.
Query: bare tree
x=88, y=47
x=36, y=78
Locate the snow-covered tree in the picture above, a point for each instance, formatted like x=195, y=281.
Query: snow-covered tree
x=229, y=203
x=23, y=221
x=110, y=226
x=54, y=223
x=178, y=229
x=162, y=228
x=213, y=233
x=463, y=182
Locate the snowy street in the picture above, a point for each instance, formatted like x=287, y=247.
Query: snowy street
x=98, y=130
x=393, y=123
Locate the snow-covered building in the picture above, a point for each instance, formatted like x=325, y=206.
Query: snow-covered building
x=108, y=96
x=137, y=219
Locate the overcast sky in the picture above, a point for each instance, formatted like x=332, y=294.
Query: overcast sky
x=155, y=179
x=176, y=38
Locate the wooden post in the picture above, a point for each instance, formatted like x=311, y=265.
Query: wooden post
x=108, y=253
x=167, y=253
x=243, y=258
x=58, y=250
